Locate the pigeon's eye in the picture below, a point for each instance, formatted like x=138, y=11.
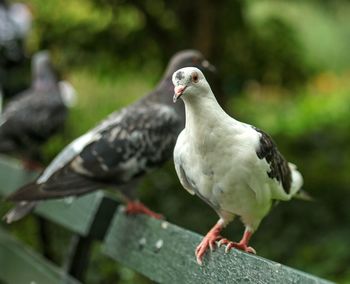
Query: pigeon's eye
x=195, y=77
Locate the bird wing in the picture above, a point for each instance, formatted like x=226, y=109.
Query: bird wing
x=131, y=142
x=59, y=179
x=125, y=145
x=62, y=183
x=279, y=167
x=69, y=153
x=184, y=180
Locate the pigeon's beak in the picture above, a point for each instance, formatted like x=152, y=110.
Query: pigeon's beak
x=207, y=65
x=178, y=91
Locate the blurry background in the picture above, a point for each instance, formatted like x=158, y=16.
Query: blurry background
x=284, y=67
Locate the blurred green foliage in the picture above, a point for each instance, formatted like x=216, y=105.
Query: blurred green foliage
x=285, y=67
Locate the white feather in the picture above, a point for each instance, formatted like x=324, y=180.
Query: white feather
x=68, y=93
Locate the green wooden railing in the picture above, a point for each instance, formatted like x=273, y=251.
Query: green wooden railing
x=161, y=251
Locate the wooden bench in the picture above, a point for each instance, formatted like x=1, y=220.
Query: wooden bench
x=165, y=253
x=161, y=251
x=87, y=217
x=19, y=264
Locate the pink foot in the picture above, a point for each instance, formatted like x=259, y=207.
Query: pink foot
x=209, y=241
x=136, y=207
x=241, y=246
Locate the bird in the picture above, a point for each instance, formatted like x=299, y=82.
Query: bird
x=15, y=24
x=123, y=147
x=234, y=167
x=15, y=27
x=34, y=115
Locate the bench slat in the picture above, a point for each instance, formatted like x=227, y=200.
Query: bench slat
x=19, y=264
x=12, y=175
x=77, y=215
x=165, y=253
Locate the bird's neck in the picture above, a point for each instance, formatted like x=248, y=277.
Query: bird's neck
x=203, y=112
x=44, y=81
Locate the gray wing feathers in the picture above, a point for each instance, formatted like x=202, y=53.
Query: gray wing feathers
x=67, y=155
x=19, y=211
x=130, y=143
x=61, y=184
x=144, y=138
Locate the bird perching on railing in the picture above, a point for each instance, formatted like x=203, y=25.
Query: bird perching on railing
x=34, y=115
x=233, y=166
x=123, y=147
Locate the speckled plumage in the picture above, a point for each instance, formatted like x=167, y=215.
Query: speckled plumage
x=127, y=144
x=130, y=143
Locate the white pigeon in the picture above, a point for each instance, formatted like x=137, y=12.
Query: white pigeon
x=233, y=166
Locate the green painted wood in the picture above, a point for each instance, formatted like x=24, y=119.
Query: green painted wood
x=12, y=175
x=165, y=253
x=20, y=265
x=86, y=215
x=77, y=215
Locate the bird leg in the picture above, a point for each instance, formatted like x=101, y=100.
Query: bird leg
x=209, y=241
x=134, y=207
x=242, y=245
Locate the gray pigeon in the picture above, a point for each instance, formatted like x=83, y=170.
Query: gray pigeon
x=126, y=145
x=33, y=115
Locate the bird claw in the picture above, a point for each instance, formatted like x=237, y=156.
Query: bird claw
x=212, y=246
x=222, y=241
x=240, y=246
x=229, y=245
x=251, y=250
x=208, y=241
x=199, y=260
x=213, y=239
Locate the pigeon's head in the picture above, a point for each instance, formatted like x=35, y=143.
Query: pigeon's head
x=189, y=82
x=43, y=73
x=41, y=61
x=187, y=58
